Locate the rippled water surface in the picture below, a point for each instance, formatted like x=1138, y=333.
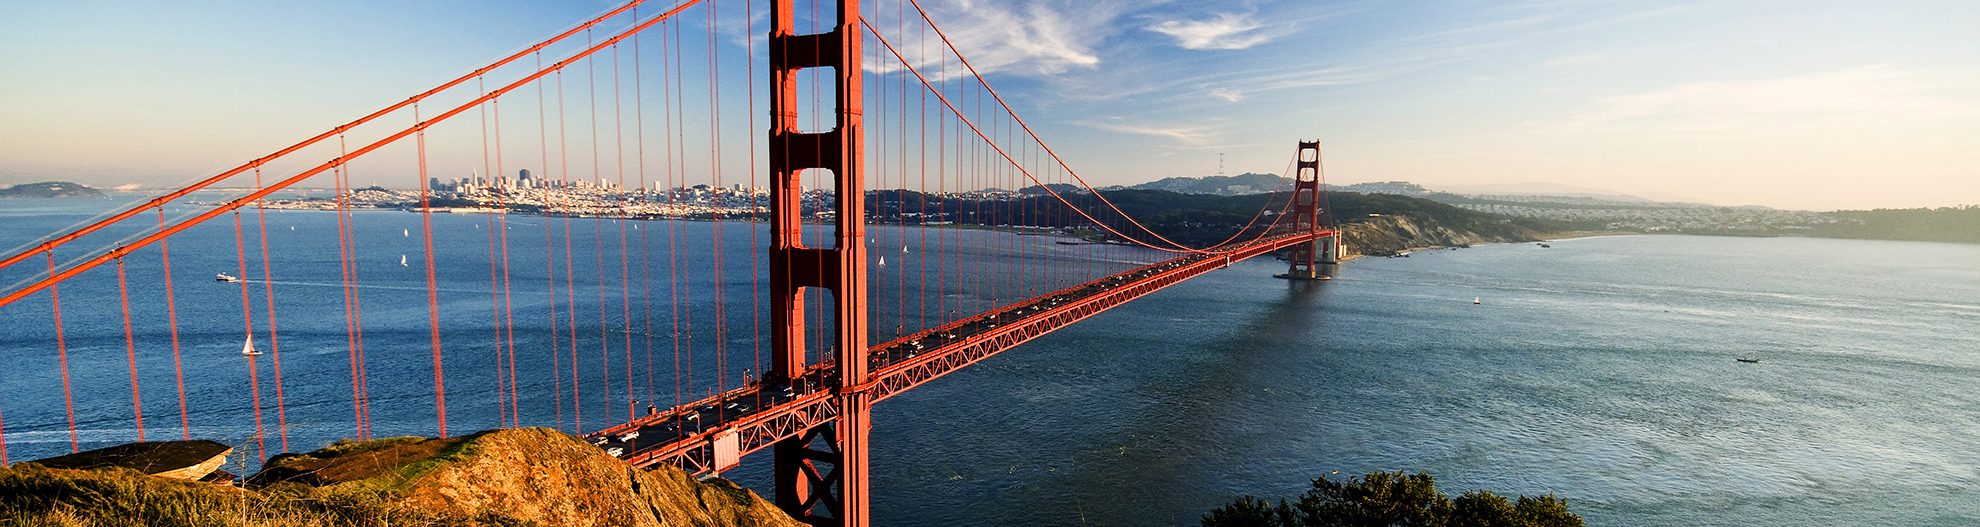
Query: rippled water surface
x=1600, y=369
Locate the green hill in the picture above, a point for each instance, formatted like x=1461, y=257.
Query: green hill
x=49, y=189
x=1945, y=224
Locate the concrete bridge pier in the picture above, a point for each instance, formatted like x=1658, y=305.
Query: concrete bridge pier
x=1314, y=261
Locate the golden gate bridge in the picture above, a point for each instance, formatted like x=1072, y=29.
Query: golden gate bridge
x=882, y=108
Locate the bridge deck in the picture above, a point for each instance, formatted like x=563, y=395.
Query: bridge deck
x=757, y=416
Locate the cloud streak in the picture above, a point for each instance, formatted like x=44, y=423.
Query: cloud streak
x=1183, y=135
x=1861, y=99
x=1033, y=39
x=1225, y=31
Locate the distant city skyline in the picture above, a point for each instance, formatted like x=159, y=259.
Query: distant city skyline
x=1803, y=106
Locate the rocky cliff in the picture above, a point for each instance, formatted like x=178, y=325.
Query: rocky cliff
x=1386, y=235
x=522, y=477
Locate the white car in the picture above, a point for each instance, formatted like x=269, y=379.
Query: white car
x=615, y=451
x=628, y=436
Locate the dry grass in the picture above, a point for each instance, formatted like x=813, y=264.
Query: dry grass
x=31, y=495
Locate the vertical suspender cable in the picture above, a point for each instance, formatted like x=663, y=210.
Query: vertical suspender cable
x=755, y=281
x=618, y=155
x=432, y=288
x=715, y=220
x=686, y=322
x=247, y=323
x=130, y=350
x=268, y=294
x=646, y=199
x=598, y=240
x=492, y=182
x=62, y=355
x=570, y=281
x=350, y=315
x=549, y=249
x=508, y=298
x=667, y=72
x=172, y=323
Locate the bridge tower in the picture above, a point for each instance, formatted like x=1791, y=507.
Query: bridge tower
x=820, y=474
x=1309, y=259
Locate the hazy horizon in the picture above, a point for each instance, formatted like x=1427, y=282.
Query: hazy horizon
x=1734, y=103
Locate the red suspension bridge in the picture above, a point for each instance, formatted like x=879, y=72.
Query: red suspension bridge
x=621, y=293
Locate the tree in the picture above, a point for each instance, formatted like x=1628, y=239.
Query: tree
x=1247, y=511
x=1393, y=499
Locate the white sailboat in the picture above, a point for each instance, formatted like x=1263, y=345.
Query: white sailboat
x=247, y=348
x=883, y=261
x=405, y=233
x=402, y=260
x=1477, y=300
x=903, y=249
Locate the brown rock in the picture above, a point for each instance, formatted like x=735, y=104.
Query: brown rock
x=187, y=460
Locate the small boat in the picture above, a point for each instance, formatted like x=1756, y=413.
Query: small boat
x=247, y=348
x=1477, y=300
x=903, y=249
x=1747, y=360
x=402, y=260
x=405, y=233
x=883, y=261
x=1545, y=246
x=224, y=277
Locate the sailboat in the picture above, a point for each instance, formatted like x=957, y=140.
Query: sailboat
x=903, y=249
x=247, y=348
x=402, y=260
x=883, y=261
x=405, y=233
x=1477, y=300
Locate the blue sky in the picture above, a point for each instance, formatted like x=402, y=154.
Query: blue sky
x=1788, y=104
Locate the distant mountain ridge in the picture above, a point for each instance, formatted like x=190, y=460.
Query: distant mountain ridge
x=1238, y=185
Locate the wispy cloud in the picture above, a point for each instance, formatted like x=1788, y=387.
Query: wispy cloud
x=1861, y=99
x=1224, y=31
x=1226, y=94
x=1184, y=135
x=1400, y=55
x=1037, y=38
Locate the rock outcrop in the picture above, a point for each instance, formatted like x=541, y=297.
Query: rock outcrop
x=187, y=460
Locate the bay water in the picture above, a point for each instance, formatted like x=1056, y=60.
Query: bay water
x=1601, y=369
